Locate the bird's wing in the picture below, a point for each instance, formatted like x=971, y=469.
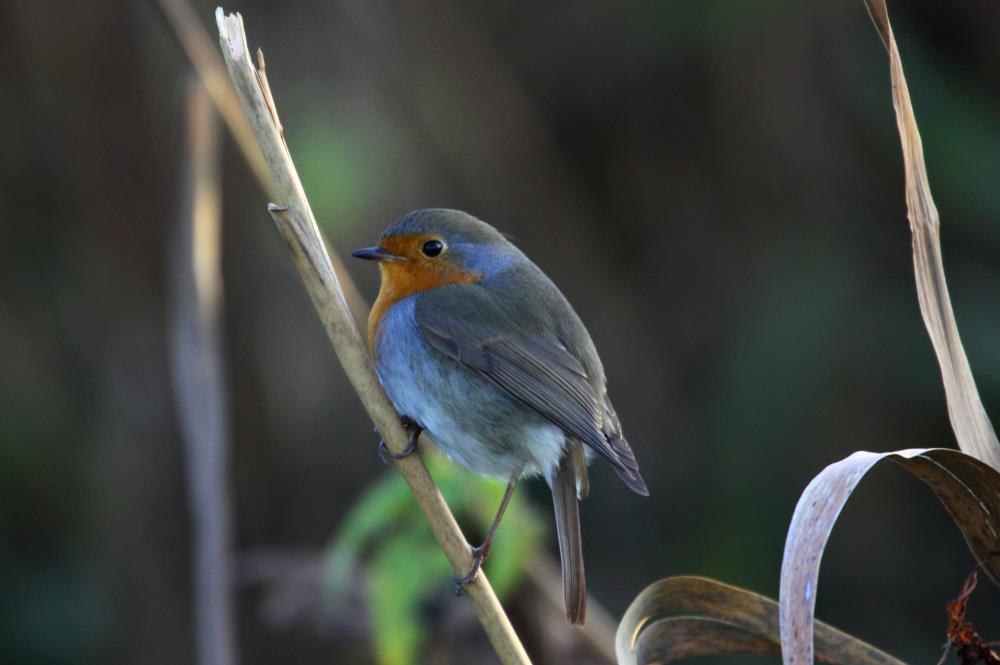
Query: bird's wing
x=539, y=372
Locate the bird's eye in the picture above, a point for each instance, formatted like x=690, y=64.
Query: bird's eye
x=432, y=248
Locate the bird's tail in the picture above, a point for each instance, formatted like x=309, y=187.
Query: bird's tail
x=569, y=481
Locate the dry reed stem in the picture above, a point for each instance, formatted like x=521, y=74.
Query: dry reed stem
x=194, y=320
x=194, y=40
x=196, y=43
x=297, y=225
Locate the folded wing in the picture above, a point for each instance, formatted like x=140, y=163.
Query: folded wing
x=542, y=374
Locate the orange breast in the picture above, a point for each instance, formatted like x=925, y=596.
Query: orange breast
x=404, y=278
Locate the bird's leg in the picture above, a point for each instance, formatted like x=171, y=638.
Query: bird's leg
x=413, y=430
x=480, y=553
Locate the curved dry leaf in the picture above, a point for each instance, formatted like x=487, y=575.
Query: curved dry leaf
x=681, y=617
x=968, y=483
x=972, y=426
x=968, y=488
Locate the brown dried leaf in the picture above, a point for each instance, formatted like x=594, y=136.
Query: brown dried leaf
x=967, y=483
x=680, y=617
x=683, y=617
x=972, y=426
x=968, y=488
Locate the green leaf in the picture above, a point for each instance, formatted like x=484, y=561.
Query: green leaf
x=520, y=532
x=386, y=503
x=406, y=569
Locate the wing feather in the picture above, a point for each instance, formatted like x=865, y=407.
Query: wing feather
x=541, y=373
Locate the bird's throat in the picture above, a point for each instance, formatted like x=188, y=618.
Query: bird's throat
x=405, y=278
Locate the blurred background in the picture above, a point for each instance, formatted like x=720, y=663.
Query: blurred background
x=716, y=187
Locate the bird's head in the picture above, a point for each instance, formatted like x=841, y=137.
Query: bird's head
x=431, y=248
x=434, y=247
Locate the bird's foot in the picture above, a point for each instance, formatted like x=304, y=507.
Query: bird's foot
x=479, y=555
x=413, y=430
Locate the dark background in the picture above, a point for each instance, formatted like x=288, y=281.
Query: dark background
x=716, y=186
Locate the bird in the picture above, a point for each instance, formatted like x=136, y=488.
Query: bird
x=475, y=345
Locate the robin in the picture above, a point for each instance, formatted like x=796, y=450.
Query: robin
x=475, y=345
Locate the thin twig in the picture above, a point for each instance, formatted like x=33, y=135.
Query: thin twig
x=199, y=386
x=297, y=225
x=196, y=43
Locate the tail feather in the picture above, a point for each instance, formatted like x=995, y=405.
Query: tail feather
x=565, y=485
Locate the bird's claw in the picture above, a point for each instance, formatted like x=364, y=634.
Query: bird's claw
x=384, y=453
x=479, y=555
x=411, y=443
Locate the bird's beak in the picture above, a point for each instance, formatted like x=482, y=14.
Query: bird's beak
x=375, y=254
